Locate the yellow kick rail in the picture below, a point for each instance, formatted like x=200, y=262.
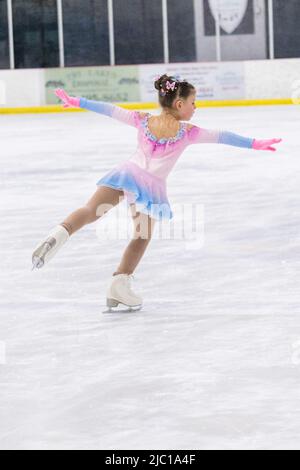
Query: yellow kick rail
x=199, y=104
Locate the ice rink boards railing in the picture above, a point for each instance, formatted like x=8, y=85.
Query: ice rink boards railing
x=200, y=104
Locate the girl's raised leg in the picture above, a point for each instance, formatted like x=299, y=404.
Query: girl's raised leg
x=102, y=201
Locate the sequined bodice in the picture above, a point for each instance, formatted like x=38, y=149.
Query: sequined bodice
x=178, y=136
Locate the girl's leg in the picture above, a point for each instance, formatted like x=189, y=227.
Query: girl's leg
x=102, y=201
x=143, y=231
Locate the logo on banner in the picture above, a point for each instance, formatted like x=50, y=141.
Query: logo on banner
x=231, y=13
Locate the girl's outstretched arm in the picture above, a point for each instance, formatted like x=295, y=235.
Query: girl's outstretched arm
x=198, y=135
x=108, y=109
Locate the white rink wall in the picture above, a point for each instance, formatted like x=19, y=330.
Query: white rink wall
x=22, y=88
x=272, y=79
x=247, y=80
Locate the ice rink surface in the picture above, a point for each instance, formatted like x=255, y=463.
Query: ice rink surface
x=213, y=360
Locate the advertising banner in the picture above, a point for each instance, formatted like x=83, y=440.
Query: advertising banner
x=213, y=81
x=112, y=84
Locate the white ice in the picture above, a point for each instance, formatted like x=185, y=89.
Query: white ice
x=213, y=360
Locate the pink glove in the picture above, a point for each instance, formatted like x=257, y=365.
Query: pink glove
x=265, y=144
x=69, y=101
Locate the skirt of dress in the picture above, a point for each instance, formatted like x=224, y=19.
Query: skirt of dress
x=147, y=191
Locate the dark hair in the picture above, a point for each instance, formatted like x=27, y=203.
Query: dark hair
x=182, y=89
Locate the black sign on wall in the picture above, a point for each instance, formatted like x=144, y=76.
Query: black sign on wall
x=241, y=19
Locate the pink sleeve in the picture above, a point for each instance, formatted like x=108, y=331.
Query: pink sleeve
x=131, y=118
x=198, y=135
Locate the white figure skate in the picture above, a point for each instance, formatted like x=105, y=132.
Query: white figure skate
x=119, y=292
x=49, y=247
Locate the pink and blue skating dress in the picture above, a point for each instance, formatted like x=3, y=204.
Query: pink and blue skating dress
x=143, y=176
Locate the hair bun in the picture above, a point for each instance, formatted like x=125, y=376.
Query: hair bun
x=170, y=87
x=160, y=81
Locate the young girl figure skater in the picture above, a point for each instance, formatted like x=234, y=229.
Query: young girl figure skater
x=141, y=178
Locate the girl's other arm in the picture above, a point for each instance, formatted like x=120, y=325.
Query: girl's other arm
x=198, y=135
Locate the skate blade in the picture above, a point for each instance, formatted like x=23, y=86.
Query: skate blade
x=113, y=307
x=37, y=263
x=128, y=310
x=38, y=257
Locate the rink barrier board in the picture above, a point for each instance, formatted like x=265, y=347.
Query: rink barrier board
x=199, y=104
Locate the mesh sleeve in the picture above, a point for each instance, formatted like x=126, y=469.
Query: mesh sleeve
x=198, y=135
x=116, y=112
